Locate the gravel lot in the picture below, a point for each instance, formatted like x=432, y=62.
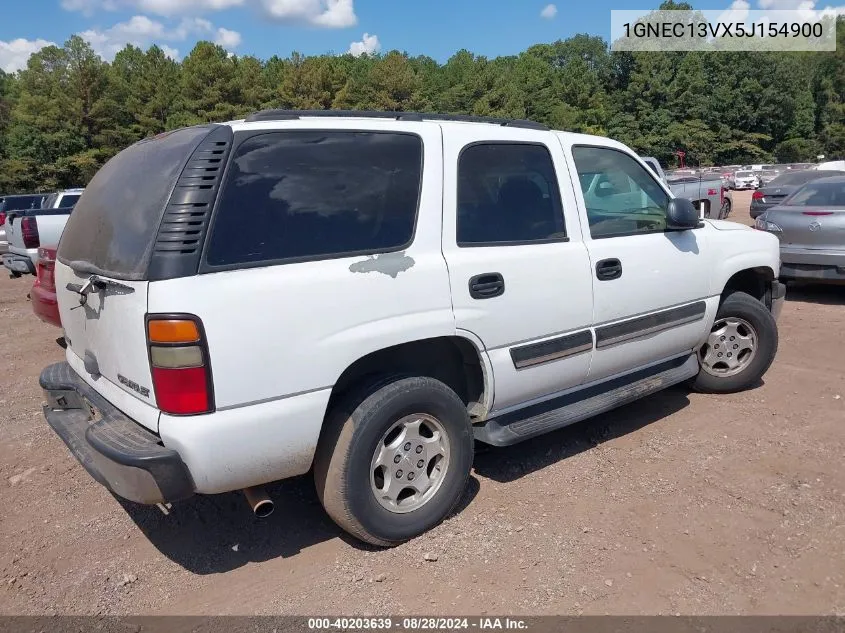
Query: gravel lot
x=680, y=503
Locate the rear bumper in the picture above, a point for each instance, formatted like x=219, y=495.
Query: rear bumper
x=812, y=265
x=44, y=305
x=120, y=454
x=813, y=272
x=18, y=264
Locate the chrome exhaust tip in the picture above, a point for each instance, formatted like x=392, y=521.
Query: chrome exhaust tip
x=260, y=502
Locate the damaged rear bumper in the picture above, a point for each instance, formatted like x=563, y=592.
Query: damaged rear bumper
x=119, y=453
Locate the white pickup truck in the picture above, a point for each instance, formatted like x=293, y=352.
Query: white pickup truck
x=400, y=286
x=27, y=230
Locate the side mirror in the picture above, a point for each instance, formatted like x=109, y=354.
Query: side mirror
x=681, y=215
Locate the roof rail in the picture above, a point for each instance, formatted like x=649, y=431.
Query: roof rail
x=289, y=115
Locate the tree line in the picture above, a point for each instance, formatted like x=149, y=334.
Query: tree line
x=69, y=111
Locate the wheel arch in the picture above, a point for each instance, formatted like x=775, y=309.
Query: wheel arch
x=458, y=360
x=755, y=281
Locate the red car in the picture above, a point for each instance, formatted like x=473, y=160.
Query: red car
x=43, y=292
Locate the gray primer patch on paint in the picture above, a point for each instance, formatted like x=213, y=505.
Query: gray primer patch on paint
x=387, y=264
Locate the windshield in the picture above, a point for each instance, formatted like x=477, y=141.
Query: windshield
x=819, y=194
x=744, y=174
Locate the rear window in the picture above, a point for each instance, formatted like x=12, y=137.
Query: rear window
x=113, y=226
x=317, y=194
x=19, y=203
x=819, y=194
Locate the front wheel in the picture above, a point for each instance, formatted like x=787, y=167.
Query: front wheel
x=740, y=348
x=394, y=461
x=725, y=211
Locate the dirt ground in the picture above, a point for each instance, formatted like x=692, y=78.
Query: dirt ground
x=680, y=503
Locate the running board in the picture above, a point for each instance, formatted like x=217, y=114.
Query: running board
x=557, y=413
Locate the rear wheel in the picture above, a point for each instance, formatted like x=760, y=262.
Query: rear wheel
x=740, y=348
x=394, y=461
x=725, y=211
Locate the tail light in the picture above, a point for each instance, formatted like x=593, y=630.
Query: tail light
x=29, y=231
x=2, y=218
x=46, y=268
x=818, y=213
x=757, y=195
x=722, y=195
x=180, y=366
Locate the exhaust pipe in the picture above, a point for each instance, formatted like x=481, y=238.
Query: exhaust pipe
x=259, y=501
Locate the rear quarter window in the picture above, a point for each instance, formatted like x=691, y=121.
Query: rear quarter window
x=114, y=224
x=305, y=195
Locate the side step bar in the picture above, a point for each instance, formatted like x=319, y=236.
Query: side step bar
x=544, y=417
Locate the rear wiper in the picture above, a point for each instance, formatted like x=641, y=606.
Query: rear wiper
x=95, y=282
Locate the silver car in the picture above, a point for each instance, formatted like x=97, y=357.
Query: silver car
x=810, y=225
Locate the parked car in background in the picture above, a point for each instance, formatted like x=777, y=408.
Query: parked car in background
x=27, y=230
x=810, y=225
x=766, y=176
x=43, y=293
x=746, y=180
x=66, y=199
x=704, y=189
x=831, y=165
x=784, y=186
x=15, y=203
x=413, y=246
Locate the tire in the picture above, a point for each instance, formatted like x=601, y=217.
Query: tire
x=725, y=211
x=739, y=315
x=348, y=482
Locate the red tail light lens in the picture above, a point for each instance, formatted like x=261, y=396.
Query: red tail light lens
x=818, y=212
x=181, y=391
x=179, y=362
x=722, y=195
x=2, y=219
x=29, y=232
x=46, y=268
x=757, y=195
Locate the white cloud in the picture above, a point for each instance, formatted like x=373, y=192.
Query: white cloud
x=14, y=54
x=227, y=39
x=548, y=12
x=159, y=7
x=89, y=6
x=330, y=14
x=141, y=31
x=810, y=9
x=172, y=53
x=182, y=7
x=369, y=44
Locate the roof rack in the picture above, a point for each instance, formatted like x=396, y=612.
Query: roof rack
x=289, y=115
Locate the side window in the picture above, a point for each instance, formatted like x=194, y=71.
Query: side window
x=508, y=193
x=317, y=194
x=622, y=197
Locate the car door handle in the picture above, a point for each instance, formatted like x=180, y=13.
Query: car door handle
x=487, y=286
x=608, y=269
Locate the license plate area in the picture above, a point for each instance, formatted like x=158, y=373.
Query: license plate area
x=64, y=399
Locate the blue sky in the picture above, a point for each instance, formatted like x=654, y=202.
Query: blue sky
x=266, y=27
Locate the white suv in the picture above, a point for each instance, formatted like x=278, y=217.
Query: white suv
x=365, y=294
